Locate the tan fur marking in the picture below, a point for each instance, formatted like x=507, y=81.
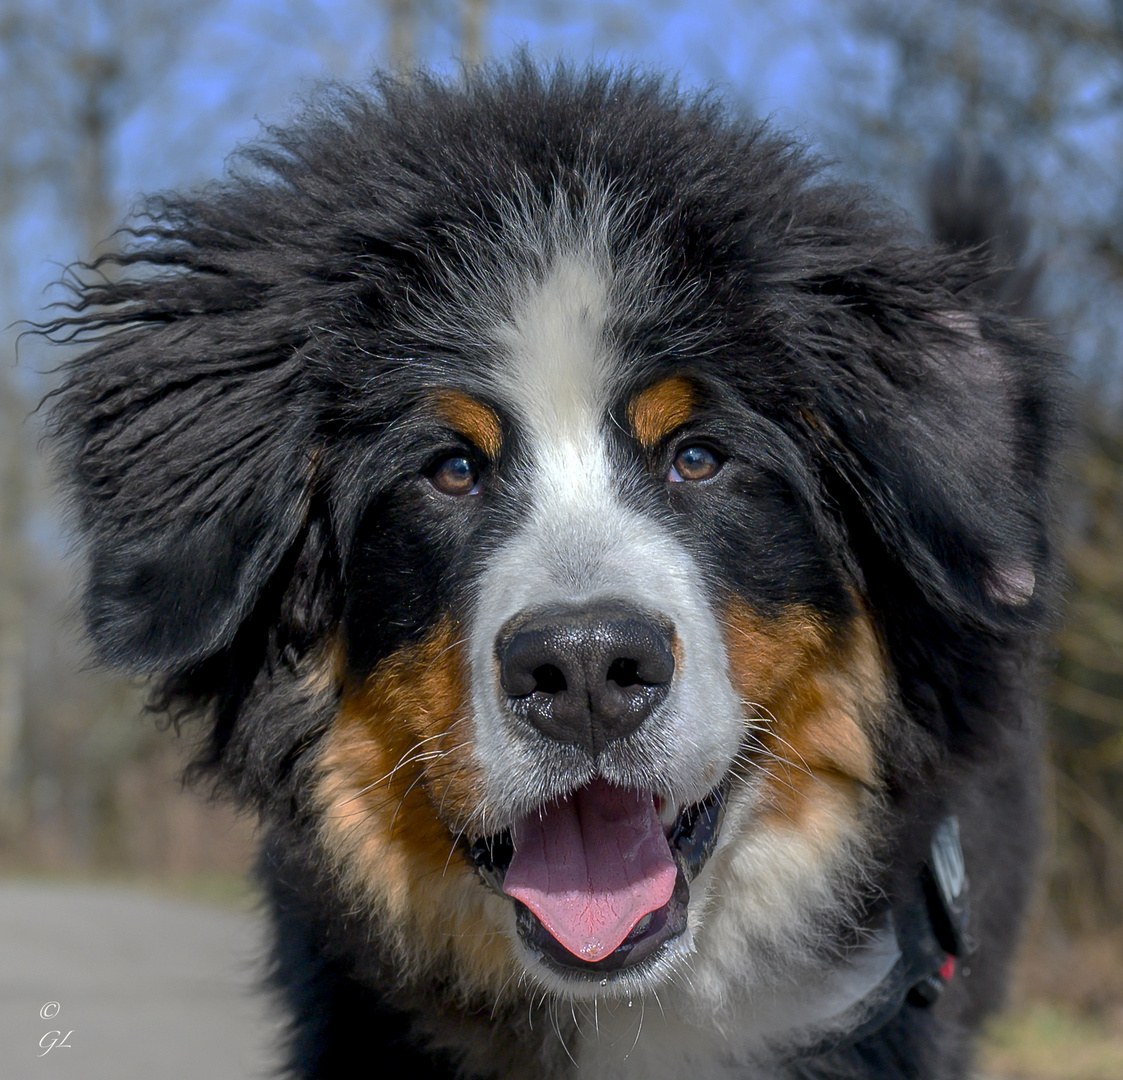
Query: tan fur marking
x=397, y=783
x=327, y=672
x=471, y=418
x=816, y=695
x=655, y=412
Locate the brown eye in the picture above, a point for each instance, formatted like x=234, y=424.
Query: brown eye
x=456, y=475
x=694, y=463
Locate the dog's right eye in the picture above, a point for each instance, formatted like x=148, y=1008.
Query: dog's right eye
x=456, y=475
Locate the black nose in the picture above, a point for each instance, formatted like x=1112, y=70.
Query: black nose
x=586, y=675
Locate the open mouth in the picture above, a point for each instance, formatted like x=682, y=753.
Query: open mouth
x=600, y=878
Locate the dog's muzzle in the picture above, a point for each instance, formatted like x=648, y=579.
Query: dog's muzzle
x=599, y=875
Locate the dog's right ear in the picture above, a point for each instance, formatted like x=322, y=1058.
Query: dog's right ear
x=178, y=436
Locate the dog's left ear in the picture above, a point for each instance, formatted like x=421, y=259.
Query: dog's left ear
x=179, y=439
x=943, y=458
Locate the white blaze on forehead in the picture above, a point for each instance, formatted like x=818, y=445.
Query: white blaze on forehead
x=556, y=377
x=556, y=365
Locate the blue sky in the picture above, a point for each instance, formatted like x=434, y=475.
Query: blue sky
x=261, y=55
x=234, y=64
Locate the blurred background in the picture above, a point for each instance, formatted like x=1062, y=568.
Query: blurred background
x=101, y=100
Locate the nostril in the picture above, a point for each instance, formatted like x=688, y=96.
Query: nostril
x=549, y=679
x=623, y=672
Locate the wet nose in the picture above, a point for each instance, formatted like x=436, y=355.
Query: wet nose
x=588, y=675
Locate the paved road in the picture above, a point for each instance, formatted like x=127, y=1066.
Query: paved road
x=146, y=987
x=149, y=988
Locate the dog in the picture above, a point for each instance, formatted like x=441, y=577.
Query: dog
x=612, y=558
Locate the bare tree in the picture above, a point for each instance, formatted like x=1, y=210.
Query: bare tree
x=403, y=33
x=71, y=73
x=473, y=18
x=1041, y=80
x=13, y=593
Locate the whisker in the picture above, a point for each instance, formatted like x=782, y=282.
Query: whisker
x=452, y=850
x=448, y=784
x=499, y=995
x=573, y=1016
x=802, y=763
x=411, y=756
x=402, y=801
x=554, y=1014
x=447, y=649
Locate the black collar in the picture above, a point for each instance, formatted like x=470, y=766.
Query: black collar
x=931, y=925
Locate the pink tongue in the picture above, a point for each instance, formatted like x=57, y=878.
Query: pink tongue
x=591, y=867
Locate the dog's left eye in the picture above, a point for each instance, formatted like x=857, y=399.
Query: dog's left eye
x=456, y=475
x=694, y=463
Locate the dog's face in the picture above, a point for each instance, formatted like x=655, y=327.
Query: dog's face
x=626, y=642
x=555, y=535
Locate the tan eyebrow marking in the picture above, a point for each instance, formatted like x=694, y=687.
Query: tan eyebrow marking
x=658, y=410
x=471, y=418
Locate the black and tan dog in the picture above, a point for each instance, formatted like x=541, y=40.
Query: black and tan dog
x=611, y=560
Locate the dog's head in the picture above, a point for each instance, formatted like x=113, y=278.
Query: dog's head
x=573, y=511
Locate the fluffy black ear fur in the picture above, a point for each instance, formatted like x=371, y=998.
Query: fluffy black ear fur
x=939, y=420
x=947, y=457
x=183, y=445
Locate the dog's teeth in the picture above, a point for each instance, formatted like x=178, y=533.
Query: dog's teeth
x=668, y=813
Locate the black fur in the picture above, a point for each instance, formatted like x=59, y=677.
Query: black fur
x=242, y=437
